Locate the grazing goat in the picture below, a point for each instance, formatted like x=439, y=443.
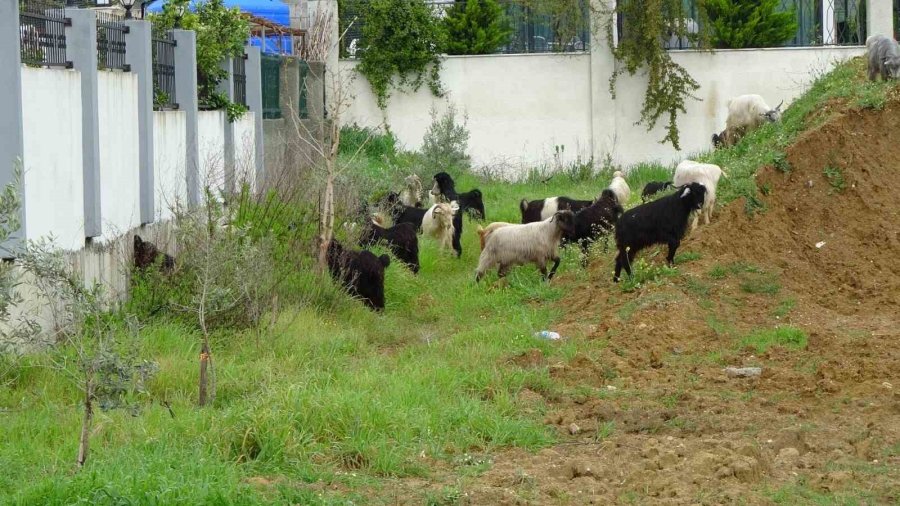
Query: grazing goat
x=654, y=187
x=440, y=223
x=535, y=243
x=411, y=195
x=662, y=221
x=360, y=272
x=707, y=174
x=540, y=210
x=883, y=57
x=401, y=213
x=401, y=239
x=146, y=254
x=444, y=190
x=595, y=221
x=485, y=232
x=746, y=113
x=620, y=188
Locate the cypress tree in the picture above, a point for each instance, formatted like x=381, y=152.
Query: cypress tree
x=735, y=24
x=476, y=27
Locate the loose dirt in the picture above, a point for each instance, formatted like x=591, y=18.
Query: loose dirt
x=660, y=422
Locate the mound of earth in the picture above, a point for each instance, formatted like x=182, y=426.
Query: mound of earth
x=650, y=416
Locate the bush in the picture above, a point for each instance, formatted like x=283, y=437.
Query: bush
x=446, y=142
x=476, y=27
x=736, y=24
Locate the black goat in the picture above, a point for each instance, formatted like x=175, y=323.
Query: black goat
x=654, y=187
x=596, y=220
x=470, y=202
x=360, y=272
x=146, y=254
x=400, y=238
x=540, y=210
x=662, y=221
x=401, y=213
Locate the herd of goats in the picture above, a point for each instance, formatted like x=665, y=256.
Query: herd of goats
x=554, y=221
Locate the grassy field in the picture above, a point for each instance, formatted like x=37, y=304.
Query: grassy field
x=345, y=397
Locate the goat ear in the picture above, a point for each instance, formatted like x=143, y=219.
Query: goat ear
x=686, y=192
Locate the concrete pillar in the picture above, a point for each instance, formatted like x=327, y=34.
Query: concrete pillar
x=139, y=54
x=603, y=118
x=186, y=98
x=81, y=42
x=254, y=103
x=829, y=29
x=880, y=17
x=226, y=86
x=12, y=142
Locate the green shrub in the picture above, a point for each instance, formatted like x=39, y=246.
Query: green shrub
x=476, y=27
x=446, y=141
x=736, y=24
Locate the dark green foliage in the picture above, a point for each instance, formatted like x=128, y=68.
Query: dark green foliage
x=476, y=27
x=402, y=41
x=736, y=24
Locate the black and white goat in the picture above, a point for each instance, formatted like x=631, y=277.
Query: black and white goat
x=662, y=221
x=401, y=239
x=654, y=187
x=360, y=272
x=540, y=210
x=595, y=221
x=536, y=243
x=444, y=190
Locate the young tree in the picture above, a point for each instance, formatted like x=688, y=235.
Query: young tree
x=476, y=27
x=736, y=24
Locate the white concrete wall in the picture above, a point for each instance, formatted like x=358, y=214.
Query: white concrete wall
x=245, y=150
x=169, y=162
x=211, y=143
x=120, y=209
x=520, y=107
x=53, y=178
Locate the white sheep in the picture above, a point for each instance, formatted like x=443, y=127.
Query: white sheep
x=746, y=113
x=707, y=174
x=620, y=188
x=536, y=243
x=438, y=223
x=411, y=195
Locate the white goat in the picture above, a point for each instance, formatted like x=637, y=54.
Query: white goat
x=485, y=232
x=438, y=223
x=411, y=195
x=707, y=174
x=620, y=188
x=536, y=243
x=746, y=113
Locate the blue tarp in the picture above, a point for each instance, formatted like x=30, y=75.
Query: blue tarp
x=273, y=10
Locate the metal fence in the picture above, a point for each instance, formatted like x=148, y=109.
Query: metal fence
x=239, y=70
x=533, y=30
x=163, y=43
x=111, y=32
x=271, y=86
x=819, y=22
x=303, y=101
x=42, y=33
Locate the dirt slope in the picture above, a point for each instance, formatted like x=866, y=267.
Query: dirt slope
x=657, y=421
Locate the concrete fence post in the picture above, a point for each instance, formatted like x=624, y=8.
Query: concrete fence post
x=81, y=42
x=880, y=17
x=254, y=103
x=186, y=98
x=12, y=142
x=226, y=86
x=139, y=54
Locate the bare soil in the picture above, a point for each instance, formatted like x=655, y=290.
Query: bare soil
x=656, y=420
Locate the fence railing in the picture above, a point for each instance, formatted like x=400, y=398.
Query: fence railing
x=42, y=33
x=239, y=70
x=533, y=30
x=111, y=32
x=163, y=43
x=271, y=86
x=819, y=23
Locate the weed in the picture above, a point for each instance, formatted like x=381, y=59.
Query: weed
x=697, y=287
x=448, y=496
x=688, y=256
x=781, y=163
x=722, y=271
x=719, y=327
x=784, y=307
x=787, y=337
x=761, y=285
x=644, y=273
x=605, y=430
x=835, y=176
x=658, y=300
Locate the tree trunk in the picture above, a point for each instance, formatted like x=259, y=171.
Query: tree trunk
x=326, y=220
x=204, y=375
x=87, y=420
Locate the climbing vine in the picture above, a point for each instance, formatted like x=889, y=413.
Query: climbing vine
x=645, y=25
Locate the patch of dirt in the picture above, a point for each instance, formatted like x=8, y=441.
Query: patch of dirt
x=664, y=424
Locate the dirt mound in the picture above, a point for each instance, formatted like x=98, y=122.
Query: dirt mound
x=832, y=224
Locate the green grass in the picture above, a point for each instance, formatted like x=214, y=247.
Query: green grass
x=784, y=307
x=791, y=338
x=835, y=177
